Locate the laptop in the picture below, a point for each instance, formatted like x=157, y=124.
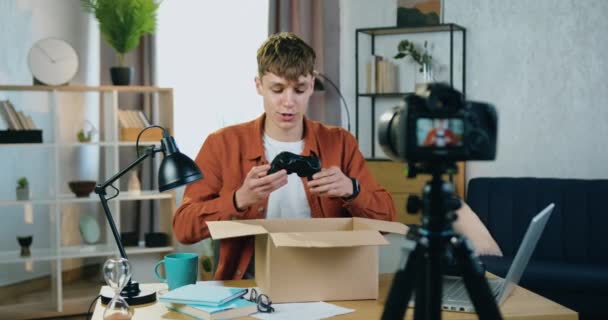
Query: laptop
x=455, y=296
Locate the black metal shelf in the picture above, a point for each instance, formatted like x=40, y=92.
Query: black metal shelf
x=450, y=28
x=382, y=31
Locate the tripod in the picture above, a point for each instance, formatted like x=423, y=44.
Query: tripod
x=423, y=272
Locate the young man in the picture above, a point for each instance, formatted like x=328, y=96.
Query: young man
x=235, y=161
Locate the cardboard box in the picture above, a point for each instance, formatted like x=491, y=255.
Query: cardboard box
x=150, y=135
x=313, y=259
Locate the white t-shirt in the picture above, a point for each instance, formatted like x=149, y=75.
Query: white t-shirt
x=289, y=201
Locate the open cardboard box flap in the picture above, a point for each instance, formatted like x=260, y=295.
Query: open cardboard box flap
x=316, y=232
x=379, y=225
x=233, y=229
x=328, y=239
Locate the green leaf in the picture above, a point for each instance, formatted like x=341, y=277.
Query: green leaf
x=207, y=265
x=406, y=47
x=123, y=22
x=22, y=183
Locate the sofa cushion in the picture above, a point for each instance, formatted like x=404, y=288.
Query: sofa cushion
x=559, y=277
x=576, y=232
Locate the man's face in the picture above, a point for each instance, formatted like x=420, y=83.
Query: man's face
x=285, y=102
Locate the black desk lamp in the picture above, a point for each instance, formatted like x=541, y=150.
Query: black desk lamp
x=318, y=86
x=175, y=170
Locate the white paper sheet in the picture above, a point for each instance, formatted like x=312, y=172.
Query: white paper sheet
x=302, y=311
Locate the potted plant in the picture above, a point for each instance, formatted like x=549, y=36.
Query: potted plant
x=86, y=135
x=422, y=57
x=122, y=23
x=23, y=189
x=206, y=272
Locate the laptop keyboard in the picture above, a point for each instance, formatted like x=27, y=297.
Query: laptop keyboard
x=455, y=290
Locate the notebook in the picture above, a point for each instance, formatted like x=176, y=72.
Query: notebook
x=455, y=296
x=201, y=294
x=230, y=310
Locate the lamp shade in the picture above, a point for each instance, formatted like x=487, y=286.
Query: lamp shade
x=177, y=169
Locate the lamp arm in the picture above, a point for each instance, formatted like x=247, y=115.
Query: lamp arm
x=100, y=189
x=149, y=152
x=341, y=97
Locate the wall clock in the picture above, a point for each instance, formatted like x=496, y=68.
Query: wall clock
x=52, y=62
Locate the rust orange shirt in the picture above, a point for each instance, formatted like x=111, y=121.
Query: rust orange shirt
x=225, y=159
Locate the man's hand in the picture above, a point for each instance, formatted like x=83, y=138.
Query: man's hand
x=258, y=185
x=331, y=182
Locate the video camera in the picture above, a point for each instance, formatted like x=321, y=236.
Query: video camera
x=437, y=124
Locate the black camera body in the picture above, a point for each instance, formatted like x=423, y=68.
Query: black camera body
x=303, y=166
x=436, y=125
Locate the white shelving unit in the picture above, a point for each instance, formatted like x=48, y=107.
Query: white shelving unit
x=109, y=146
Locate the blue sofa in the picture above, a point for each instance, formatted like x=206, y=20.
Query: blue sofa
x=570, y=263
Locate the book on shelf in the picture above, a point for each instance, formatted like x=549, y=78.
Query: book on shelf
x=233, y=309
x=10, y=116
x=5, y=116
x=200, y=294
x=23, y=120
x=31, y=123
x=144, y=120
x=132, y=119
x=15, y=120
x=122, y=119
x=381, y=75
x=15, y=114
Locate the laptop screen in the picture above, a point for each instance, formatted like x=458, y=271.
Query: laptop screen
x=535, y=230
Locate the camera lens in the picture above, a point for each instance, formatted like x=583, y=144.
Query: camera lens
x=388, y=133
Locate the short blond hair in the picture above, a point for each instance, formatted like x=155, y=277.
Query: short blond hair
x=287, y=56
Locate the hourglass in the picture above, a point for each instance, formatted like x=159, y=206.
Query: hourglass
x=117, y=273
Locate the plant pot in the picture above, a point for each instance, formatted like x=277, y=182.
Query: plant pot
x=23, y=193
x=121, y=76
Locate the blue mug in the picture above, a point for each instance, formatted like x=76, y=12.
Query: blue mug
x=180, y=269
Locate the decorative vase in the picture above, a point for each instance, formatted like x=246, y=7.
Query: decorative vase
x=25, y=243
x=23, y=193
x=425, y=76
x=134, y=186
x=121, y=76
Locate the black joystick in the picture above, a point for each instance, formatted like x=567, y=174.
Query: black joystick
x=302, y=165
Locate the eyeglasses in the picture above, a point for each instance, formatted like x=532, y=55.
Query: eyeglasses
x=264, y=303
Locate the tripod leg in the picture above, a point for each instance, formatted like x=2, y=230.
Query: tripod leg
x=421, y=308
x=433, y=281
x=475, y=281
x=401, y=289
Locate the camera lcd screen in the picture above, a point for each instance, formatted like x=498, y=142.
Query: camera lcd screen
x=439, y=132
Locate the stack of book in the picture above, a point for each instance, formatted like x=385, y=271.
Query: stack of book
x=132, y=119
x=209, y=302
x=381, y=75
x=15, y=120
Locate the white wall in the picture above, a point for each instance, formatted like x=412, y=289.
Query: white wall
x=356, y=14
x=543, y=64
x=210, y=61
